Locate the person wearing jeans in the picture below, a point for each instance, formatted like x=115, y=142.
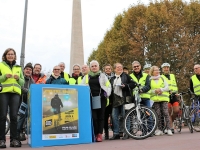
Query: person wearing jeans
x=12, y=79
x=121, y=85
x=28, y=69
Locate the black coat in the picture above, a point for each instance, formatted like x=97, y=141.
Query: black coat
x=127, y=90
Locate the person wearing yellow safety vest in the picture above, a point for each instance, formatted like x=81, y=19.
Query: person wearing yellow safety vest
x=173, y=105
x=107, y=69
x=12, y=79
x=63, y=74
x=100, y=90
x=76, y=77
x=160, y=96
x=85, y=70
x=122, y=84
x=141, y=78
x=195, y=80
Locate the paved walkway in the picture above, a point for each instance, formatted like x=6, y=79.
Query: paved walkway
x=183, y=141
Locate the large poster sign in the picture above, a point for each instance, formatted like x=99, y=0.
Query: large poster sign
x=60, y=113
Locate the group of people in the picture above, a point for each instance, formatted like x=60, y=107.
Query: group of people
x=110, y=90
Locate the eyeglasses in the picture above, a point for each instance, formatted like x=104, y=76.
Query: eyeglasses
x=56, y=69
x=196, y=68
x=10, y=54
x=136, y=66
x=76, y=69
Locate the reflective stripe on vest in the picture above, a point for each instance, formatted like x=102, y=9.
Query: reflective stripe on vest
x=79, y=80
x=10, y=85
x=196, y=84
x=155, y=97
x=141, y=81
x=66, y=76
x=86, y=79
x=171, y=83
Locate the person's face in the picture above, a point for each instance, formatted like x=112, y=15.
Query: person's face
x=125, y=71
x=62, y=67
x=118, y=69
x=166, y=70
x=85, y=69
x=56, y=71
x=94, y=67
x=197, y=69
x=27, y=71
x=147, y=70
x=136, y=67
x=37, y=69
x=76, y=70
x=10, y=56
x=156, y=71
x=108, y=70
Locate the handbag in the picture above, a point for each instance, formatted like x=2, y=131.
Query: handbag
x=118, y=101
x=96, y=101
x=130, y=100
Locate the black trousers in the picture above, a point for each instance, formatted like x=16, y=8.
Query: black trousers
x=11, y=100
x=98, y=117
x=108, y=112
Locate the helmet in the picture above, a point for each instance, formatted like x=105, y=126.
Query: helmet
x=165, y=65
x=147, y=66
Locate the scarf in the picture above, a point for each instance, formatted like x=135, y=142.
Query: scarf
x=56, y=77
x=117, y=89
x=155, y=77
x=92, y=74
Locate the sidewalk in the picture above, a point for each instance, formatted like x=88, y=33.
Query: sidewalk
x=179, y=141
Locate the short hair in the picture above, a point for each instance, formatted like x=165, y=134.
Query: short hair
x=61, y=63
x=116, y=65
x=125, y=68
x=6, y=52
x=152, y=69
x=136, y=62
x=94, y=61
x=106, y=66
x=37, y=64
x=76, y=65
x=56, y=66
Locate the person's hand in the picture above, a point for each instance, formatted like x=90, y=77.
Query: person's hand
x=16, y=77
x=8, y=75
x=158, y=91
x=123, y=85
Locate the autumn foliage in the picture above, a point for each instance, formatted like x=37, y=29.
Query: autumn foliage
x=165, y=31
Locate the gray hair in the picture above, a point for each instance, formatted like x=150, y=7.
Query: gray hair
x=76, y=65
x=115, y=65
x=61, y=63
x=94, y=61
x=136, y=62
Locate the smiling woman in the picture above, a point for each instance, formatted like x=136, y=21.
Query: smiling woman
x=11, y=78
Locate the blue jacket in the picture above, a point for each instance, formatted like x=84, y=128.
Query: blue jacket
x=59, y=80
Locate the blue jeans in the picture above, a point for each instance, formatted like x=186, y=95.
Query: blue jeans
x=116, y=112
x=20, y=122
x=145, y=102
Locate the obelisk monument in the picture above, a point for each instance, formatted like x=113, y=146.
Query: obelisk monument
x=76, y=55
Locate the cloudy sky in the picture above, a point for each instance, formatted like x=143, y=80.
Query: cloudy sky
x=48, y=33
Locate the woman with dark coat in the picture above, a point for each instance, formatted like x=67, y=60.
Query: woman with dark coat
x=122, y=86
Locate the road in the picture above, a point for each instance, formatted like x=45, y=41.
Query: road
x=183, y=141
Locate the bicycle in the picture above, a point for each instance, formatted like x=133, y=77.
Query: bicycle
x=195, y=112
x=140, y=122
x=184, y=114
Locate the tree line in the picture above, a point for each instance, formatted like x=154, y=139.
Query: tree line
x=165, y=31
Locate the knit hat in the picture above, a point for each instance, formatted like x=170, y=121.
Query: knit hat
x=29, y=65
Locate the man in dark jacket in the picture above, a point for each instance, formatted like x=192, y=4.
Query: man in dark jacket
x=28, y=69
x=122, y=84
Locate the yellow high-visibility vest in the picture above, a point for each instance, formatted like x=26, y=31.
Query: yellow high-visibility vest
x=155, y=97
x=196, y=85
x=10, y=84
x=142, y=83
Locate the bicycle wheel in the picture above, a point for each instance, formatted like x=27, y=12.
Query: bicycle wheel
x=195, y=119
x=140, y=129
x=7, y=125
x=178, y=123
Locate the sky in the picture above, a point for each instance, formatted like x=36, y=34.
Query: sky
x=48, y=32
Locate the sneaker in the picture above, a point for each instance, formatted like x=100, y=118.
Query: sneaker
x=159, y=132
x=22, y=137
x=169, y=132
x=2, y=144
x=15, y=143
